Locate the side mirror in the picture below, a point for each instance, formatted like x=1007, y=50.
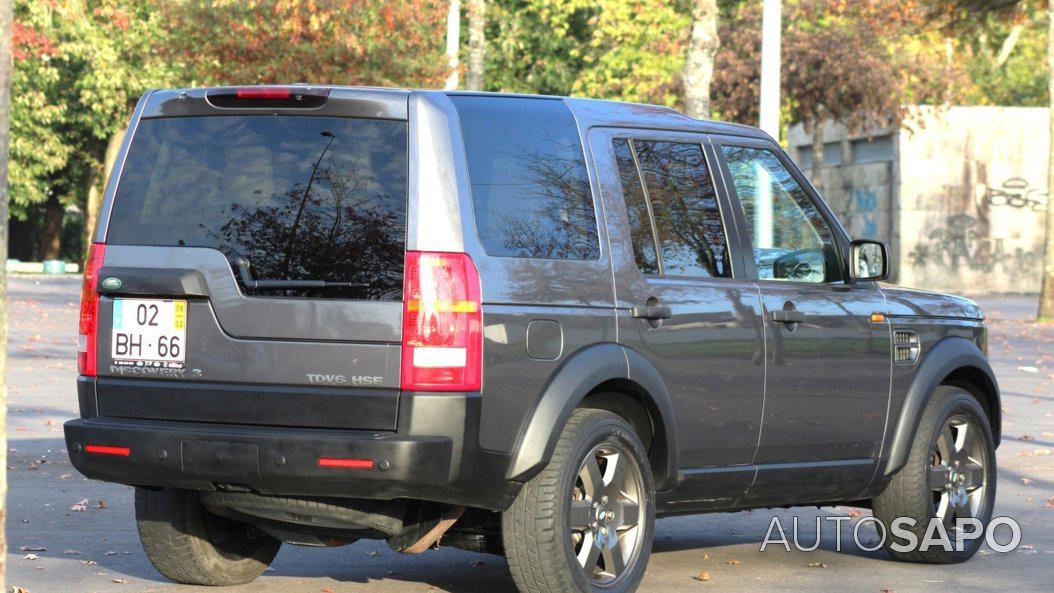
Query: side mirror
x=868, y=260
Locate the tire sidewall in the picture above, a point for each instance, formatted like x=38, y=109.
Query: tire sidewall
x=610, y=429
x=946, y=403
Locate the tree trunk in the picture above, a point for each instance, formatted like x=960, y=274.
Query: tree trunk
x=98, y=184
x=699, y=65
x=816, y=172
x=477, y=22
x=51, y=240
x=5, y=124
x=1046, y=295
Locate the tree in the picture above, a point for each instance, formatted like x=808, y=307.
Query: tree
x=699, y=65
x=1046, y=295
x=477, y=25
x=80, y=65
x=351, y=42
x=6, y=66
x=843, y=62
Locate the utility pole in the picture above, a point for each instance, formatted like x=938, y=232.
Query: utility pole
x=453, y=40
x=771, y=30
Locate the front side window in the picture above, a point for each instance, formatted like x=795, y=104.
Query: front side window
x=530, y=188
x=792, y=240
x=680, y=190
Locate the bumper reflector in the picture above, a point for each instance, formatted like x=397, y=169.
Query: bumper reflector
x=345, y=463
x=108, y=450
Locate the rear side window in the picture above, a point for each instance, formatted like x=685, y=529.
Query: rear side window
x=298, y=198
x=530, y=189
x=636, y=208
x=680, y=191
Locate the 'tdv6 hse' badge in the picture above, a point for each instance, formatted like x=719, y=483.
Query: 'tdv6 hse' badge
x=111, y=283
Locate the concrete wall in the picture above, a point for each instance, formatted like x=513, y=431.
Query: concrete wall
x=973, y=199
x=961, y=197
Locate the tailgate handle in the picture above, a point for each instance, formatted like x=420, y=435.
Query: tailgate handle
x=151, y=282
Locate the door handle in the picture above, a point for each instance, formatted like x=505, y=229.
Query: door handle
x=787, y=316
x=652, y=312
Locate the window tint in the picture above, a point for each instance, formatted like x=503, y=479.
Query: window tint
x=530, y=189
x=684, y=205
x=791, y=239
x=637, y=208
x=300, y=198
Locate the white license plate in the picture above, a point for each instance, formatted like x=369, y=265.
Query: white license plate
x=149, y=332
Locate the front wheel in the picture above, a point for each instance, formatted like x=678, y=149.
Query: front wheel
x=949, y=477
x=586, y=522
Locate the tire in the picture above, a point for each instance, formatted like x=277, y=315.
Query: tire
x=543, y=549
x=189, y=545
x=915, y=491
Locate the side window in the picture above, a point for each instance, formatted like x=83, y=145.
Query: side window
x=683, y=202
x=530, y=188
x=792, y=241
x=637, y=208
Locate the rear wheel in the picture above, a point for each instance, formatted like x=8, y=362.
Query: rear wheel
x=586, y=522
x=188, y=544
x=950, y=476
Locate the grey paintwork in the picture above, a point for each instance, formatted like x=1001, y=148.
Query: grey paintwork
x=743, y=411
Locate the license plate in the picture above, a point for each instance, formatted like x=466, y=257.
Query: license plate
x=149, y=332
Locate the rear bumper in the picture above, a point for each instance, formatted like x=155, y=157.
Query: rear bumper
x=446, y=465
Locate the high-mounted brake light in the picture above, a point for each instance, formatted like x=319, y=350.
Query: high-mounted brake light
x=88, y=335
x=263, y=92
x=442, y=323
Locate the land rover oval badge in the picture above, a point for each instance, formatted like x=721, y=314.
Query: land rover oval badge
x=111, y=283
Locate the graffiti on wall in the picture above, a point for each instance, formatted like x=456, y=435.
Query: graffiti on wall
x=958, y=243
x=866, y=203
x=1015, y=193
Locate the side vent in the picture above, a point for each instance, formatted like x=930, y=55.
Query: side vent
x=905, y=346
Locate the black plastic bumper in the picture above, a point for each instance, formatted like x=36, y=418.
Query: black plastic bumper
x=444, y=466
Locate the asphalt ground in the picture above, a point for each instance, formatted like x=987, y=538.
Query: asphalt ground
x=56, y=549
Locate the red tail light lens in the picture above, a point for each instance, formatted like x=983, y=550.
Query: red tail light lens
x=88, y=337
x=442, y=323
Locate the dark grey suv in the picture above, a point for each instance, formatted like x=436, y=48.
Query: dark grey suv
x=511, y=324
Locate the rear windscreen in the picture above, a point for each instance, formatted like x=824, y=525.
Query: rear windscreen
x=294, y=198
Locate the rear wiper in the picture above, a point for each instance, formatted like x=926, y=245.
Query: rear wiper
x=247, y=280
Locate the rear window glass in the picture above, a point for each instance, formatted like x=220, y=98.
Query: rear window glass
x=530, y=189
x=298, y=198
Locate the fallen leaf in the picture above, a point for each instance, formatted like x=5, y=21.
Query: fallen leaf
x=30, y=557
x=327, y=590
x=111, y=553
x=477, y=563
x=703, y=576
x=101, y=504
x=817, y=565
x=732, y=562
x=71, y=552
x=1049, y=504
x=17, y=589
x=1028, y=369
x=89, y=562
x=1026, y=481
x=32, y=548
x=65, y=476
x=80, y=507
x=120, y=581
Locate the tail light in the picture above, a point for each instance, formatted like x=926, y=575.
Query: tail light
x=442, y=323
x=88, y=337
